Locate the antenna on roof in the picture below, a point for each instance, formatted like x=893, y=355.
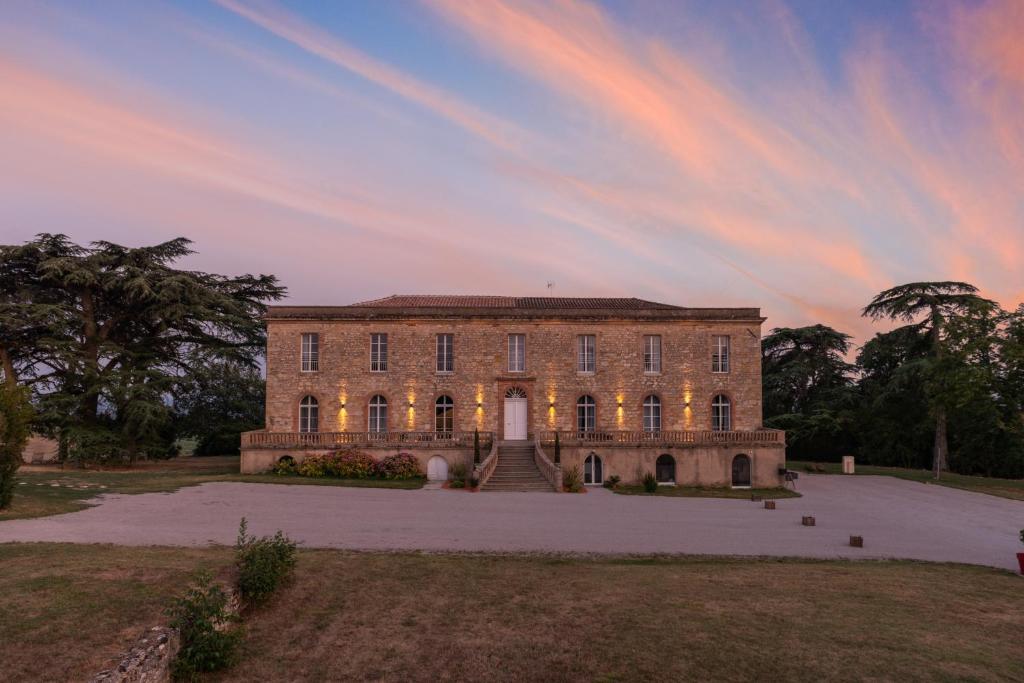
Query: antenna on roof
x=551, y=286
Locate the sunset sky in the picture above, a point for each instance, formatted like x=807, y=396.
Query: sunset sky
x=798, y=156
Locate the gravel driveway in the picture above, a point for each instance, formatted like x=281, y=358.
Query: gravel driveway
x=897, y=518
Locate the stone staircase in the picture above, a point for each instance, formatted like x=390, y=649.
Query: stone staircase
x=516, y=470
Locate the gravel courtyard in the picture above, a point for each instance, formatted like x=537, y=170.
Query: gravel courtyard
x=898, y=519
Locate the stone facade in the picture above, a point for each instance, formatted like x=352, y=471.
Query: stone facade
x=344, y=384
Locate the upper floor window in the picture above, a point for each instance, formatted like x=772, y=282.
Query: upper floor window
x=310, y=352
x=445, y=355
x=444, y=415
x=309, y=415
x=720, y=353
x=721, y=413
x=586, y=353
x=652, y=414
x=586, y=414
x=652, y=353
x=378, y=352
x=517, y=353
x=378, y=421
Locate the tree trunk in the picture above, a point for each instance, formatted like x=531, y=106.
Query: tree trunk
x=939, y=455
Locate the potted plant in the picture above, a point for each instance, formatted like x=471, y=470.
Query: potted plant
x=1020, y=556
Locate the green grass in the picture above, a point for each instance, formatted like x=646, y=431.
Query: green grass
x=67, y=611
x=1004, y=488
x=51, y=491
x=705, y=492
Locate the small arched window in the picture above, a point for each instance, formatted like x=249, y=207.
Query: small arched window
x=721, y=413
x=378, y=414
x=593, y=471
x=652, y=414
x=309, y=415
x=586, y=414
x=444, y=415
x=665, y=469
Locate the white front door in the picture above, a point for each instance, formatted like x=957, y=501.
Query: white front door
x=437, y=469
x=515, y=419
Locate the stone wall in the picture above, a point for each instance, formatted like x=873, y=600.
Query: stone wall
x=344, y=384
x=149, y=660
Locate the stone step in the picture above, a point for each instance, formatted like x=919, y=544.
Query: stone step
x=527, y=488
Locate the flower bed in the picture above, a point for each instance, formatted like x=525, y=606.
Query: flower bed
x=350, y=463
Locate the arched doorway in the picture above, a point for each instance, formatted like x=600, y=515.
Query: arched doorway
x=741, y=471
x=437, y=469
x=665, y=469
x=593, y=470
x=515, y=414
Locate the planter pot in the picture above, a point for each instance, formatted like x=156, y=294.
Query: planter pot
x=1020, y=561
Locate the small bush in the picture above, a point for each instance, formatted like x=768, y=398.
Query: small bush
x=650, y=483
x=313, y=466
x=572, y=480
x=612, y=481
x=202, y=619
x=350, y=464
x=474, y=482
x=285, y=465
x=263, y=563
x=457, y=484
x=399, y=466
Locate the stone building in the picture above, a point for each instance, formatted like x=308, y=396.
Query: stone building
x=629, y=386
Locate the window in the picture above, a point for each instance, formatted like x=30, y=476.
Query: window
x=517, y=353
x=652, y=353
x=720, y=353
x=444, y=415
x=310, y=352
x=593, y=472
x=586, y=414
x=665, y=469
x=378, y=414
x=652, y=414
x=721, y=413
x=309, y=415
x=445, y=357
x=378, y=352
x=586, y=347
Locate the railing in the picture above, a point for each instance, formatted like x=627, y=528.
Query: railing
x=551, y=471
x=769, y=437
x=484, y=470
x=265, y=439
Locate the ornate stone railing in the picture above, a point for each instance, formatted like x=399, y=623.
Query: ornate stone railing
x=265, y=439
x=758, y=437
x=484, y=470
x=551, y=471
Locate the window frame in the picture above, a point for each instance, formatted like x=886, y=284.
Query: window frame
x=721, y=362
x=584, y=354
x=717, y=423
x=651, y=401
x=447, y=417
x=309, y=358
x=309, y=414
x=650, y=356
x=374, y=418
x=444, y=355
x=588, y=417
x=520, y=351
x=378, y=352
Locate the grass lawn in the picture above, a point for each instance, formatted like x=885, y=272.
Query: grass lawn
x=402, y=616
x=45, y=491
x=1004, y=488
x=705, y=492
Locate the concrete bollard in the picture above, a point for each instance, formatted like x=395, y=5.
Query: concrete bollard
x=856, y=541
x=808, y=521
x=769, y=505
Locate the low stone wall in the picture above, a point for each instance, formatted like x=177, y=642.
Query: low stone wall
x=149, y=661
x=695, y=466
x=256, y=460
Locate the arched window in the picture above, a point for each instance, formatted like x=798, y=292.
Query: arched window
x=593, y=471
x=586, y=414
x=665, y=469
x=378, y=414
x=741, y=471
x=309, y=415
x=721, y=413
x=515, y=392
x=444, y=415
x=652, y=414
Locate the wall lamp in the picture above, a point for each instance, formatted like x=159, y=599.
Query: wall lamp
x=620, y=404
x=410, y=404
x=551, y=404
x=343, y=405
x=479, y=404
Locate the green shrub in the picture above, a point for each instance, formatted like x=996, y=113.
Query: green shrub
x=263, y=563
x=474, y=482
x=208, y=643
x=312, y=466
x=572, y=480
x=558, y=450
x=650, y=483
x=399, y=466
x=457, y=484
x=15, y=416
x=612, y=481
x=285, y=465
x=350, y=464
x=476, y=446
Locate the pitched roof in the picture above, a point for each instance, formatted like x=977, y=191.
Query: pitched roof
x=472, y=306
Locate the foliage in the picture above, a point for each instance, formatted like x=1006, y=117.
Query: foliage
x=612, y=481
x=572, y=480
x=476, y=446
x=217, y=402
x=558, y=450
x=350, y=463
x=207, y=641
x=285, y=465
x=312, y=466
x=15, y=418
x=105, y=335
x=263, y=563
x=399, y=466
x=458, y=476
x=650, y=483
